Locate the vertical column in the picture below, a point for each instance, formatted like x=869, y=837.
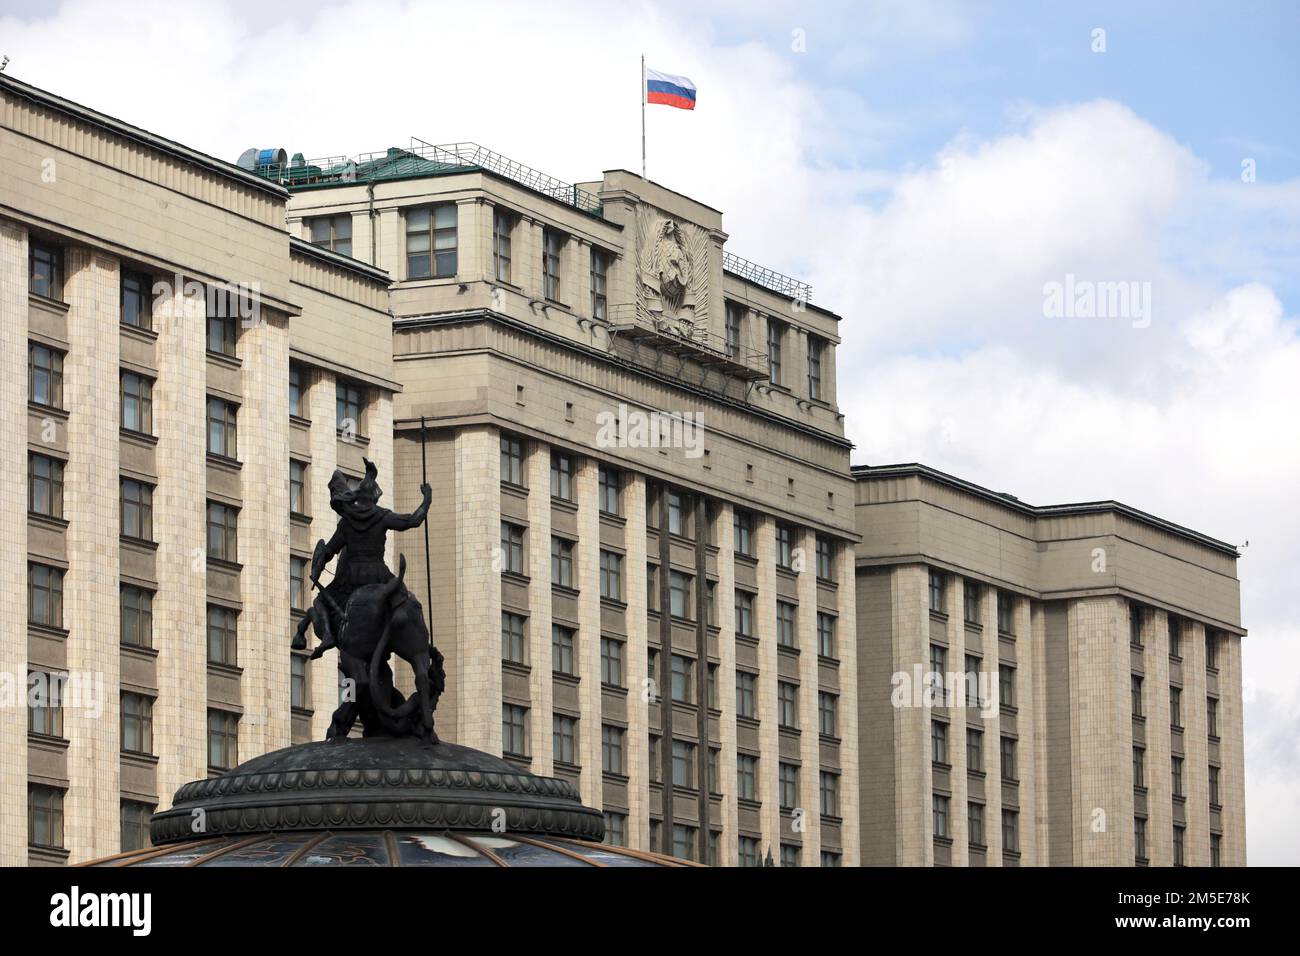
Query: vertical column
x=13, y=539
x=587, y=490
x=829, y=378
x=379, y=425
x=914, y=785
x=323, y=440
x=390, y=243
x=992, y=724
x=1159, y=769
x=957, y=780
x=1036, y=654
x=1232, y=780
x=526, y=264
x=263, y=422
x=579, y=277
x=635, y=660
x=725, y=605
x=179, y=527
x=472, y=241
x=540, y=684
x=1196, y=751
x=1027, y=729
x=474, y=668
x=809, y=738
x=769, y=743
x=847, y=626
x=90, y=599
x=1098, y=699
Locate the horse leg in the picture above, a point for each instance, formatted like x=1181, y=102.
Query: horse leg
x=346, y=714
x=420, y=665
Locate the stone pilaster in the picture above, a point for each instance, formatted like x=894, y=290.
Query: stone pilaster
x=992, y=729
x=541, y=688
x=634, y=662
x=180, y=528
x=1159, y=768
x=13, y=541
x=957, y=781
x=263, y=424
x=1099, y=663
x=725, y=609
x=586, y=490
x=769, y=743
x=323, y=440
x=809, y=739
x=914, y=784
x=90, y=593
x=1196, y=747
x=473, y=240
x=850, y=792
x=1027, y=729
x=474, y=669
x=1232, y=781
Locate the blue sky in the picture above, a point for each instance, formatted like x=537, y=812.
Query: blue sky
x=929, y=166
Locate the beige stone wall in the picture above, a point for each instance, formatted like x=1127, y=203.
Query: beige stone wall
x=725, y=607
x=319, y=407
x=1196, y=763
x=635, y=661
x=809, y=740
x=765, y=693
x=850, y=782
x=587, y=653
x=1233, y=780
x=538, y=547
x=914, y=842
x=13, y=542
x=90, y=601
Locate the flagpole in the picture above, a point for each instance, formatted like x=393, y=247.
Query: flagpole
x=643, y=116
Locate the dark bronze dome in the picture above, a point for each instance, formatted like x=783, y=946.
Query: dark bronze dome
x=380, y=802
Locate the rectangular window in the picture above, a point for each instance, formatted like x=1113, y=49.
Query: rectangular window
x=45, y=595
x=775, y=335
x=222, y=334
x=1139, y=768
x=816, y=348
x=680, y=587
x=975, y=824
x=514, y=730
x=298, y=681
x=562, y=649
x=564, y=735
x=1212, y=717
x=744, y=613
x=747, y=851
x=297, y=382
x=611, y=490
x=973, y=681
x=503, y=225
x=746, y=694
x=1007, y=686
x=1135, y=691
x=137, y=724
x=297, y=487
x=974, y=750
x=615, y=828
x=552, y=244
x=1009, y=760
x=972, y=595
x=652, y=587
x=939, y=808
x=1135, y=624
x=826, y=634
x=561, y=476
x=136, y=616
x=787, y=705
x=784, y=547
x=44, y=375
x=222, y=437
x=136, y=397
x=45, y=704
x=223, y=740
x=136, y=509
x=1175, y=707
x=135, y=825
x=348, y=402
x=332, y=232
x=431, y=242
x=1010, y=831
x=599, y=284
x=830, y=794
x=788, y=786
x=1216, y=849
x=512, y=548
x=1179, y=834
x=1211, y=651
x=683, y=841
x=44, y=817
x=1215, y=800
x=137, y=304
x=223, y=636
x=1176, y=775
x=938, y=742
x=45, y=273
x=611, y=749
x=742, y=525
x=785, y=628
x=746, y=777
x=512, y=461
x=1139, y=840
x=297, y=583
x=825, y=559
x=562, y=562
x=938, y=667
x=611, y=662
x=680, y=512
x=937, y=589
x=44, y=486
x=683, y=679
x=223, y=532
x=1006, y=616
x=684, y=764
x=828, y=706
x=735, y=314
x=512, y=638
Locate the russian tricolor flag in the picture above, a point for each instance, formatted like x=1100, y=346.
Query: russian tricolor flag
x=669, y=90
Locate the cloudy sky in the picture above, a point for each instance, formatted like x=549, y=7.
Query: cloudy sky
x=928, y=166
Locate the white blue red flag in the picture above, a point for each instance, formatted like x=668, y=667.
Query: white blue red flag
x=669, y=90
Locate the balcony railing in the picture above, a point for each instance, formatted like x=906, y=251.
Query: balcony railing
x=687, y=340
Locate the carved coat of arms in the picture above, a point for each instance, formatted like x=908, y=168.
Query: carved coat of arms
x=673, y=286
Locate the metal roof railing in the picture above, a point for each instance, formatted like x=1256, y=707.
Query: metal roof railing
x=767, y=278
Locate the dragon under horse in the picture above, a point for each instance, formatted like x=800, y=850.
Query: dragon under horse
x=368, y=614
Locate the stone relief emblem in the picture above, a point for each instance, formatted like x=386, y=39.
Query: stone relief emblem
x=673, y=274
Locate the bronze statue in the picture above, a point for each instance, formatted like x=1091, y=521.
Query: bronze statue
x=368, y=615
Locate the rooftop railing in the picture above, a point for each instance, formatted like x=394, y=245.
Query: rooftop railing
x=767, y=278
